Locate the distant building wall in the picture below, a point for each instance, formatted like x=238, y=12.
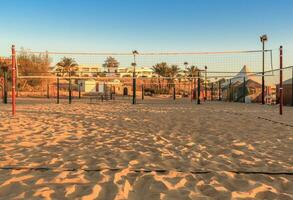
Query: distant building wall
x=287, y=91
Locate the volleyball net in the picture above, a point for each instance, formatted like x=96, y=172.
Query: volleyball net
x=156, y=73
x=195, y=76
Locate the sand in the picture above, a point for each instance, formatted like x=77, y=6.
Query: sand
x=153, y=150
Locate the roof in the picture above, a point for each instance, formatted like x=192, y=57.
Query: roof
x=245, y=73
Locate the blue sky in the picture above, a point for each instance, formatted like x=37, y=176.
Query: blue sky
x=146, y=25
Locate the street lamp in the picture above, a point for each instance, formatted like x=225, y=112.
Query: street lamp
x=135, y=53
x=186, y=65
x=263, y=39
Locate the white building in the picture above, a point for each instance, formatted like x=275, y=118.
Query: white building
x=89, y=70
x=140, y=72
x=85, y=70
x=88, y=85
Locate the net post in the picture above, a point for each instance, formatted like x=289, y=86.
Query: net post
x=219, y=90
x=198, y=88
x=48, y=91
x=230, y=91
x=281, y=81
x=142, y=92
x=13, y=61
x=5, y=94
x=111, y=92
x=263, y=74
x=79, y=90
x=244, y=89
x=205, y=84
x=191, y=91
x=134, y=77
x=69, y=89
x=58, y=86
x=212, y=92
x=134, y=89
x=174, y=92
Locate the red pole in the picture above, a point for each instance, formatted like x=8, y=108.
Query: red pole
x=13, y=79
x=281, y=80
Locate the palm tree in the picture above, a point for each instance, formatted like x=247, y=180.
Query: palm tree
x=172, y=73
x=3, y=67
x=161, y=69
x=66, y=66
x=111, y=62
x=193, y=71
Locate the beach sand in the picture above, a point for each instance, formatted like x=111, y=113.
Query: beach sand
x=152, y=150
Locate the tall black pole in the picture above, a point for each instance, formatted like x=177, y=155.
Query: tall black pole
x=174, y=92
x=263, y=74
x=142, y=92
x=193, y=89
x=48, y=91
x=134, y=89
x=198, y=88
x=134, y=78
x=5, y=86
x=205, y=83
x=58, y=86
x=244, y=89
x=220, y=91
x=212, y=92
x=79, y=90
x=281, y=82
x=69, y=88
x=230, y=91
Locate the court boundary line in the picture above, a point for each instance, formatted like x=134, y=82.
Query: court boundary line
x=145, y=170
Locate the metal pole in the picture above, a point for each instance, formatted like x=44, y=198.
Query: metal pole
x=69, y=88
x=13, y=80
x=174, y=93
x=230, y=91
x=220, y=91
x=194, y=88
x=198, y=89
x=48, y=89
x=134, y=89
x=79, y=90
x=205, y=84
x=134, y=79
x=191, y=91
x=263, y=74
x=111, y=96
x=5, y=86
x=142, y=92
x=281, y=80
x=244, y=89
x=58, y=86
x=212, y=92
